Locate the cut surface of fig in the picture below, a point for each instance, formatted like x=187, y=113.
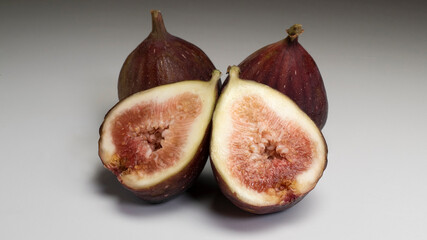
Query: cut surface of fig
x=156, y=141
x=162, y=58
x=266, y=152
x=287, y=67
x=150, y=136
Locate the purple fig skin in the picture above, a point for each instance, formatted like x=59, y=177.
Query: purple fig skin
x=161, y=59
x=290, y=69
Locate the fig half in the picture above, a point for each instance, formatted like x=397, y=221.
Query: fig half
x=157, y=141
x=266, y=153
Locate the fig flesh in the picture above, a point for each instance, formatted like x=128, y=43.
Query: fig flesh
x=162, y=59
x=289, y=68
x=266, y=153
x=157, y=141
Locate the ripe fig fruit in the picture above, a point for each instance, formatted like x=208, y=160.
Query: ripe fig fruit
x=157, y=141
x=289, y=68
x=266, y=153
x=161, y=59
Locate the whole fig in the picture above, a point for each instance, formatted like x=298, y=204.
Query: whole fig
x=162, y=59
x=286, y=66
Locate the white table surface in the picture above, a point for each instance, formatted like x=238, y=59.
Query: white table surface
x=59, y=64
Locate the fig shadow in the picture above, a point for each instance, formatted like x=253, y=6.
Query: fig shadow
x=127, y=202
x=206, y=189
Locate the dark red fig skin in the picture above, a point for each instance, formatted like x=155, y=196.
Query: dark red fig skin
x=276, y=64
x=161, y=59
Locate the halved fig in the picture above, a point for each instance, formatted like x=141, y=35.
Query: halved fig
x=157, y=141
x=266, y=153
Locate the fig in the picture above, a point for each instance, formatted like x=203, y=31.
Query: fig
x=286, y=66
x=266, y=153
x=157, y=141
x=162, y=59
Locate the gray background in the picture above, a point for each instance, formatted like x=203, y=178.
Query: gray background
x=59, y=63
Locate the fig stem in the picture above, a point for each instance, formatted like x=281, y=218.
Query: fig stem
x=294, y=31
x=158, y=26
x=216, y=76
x=233, y=72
